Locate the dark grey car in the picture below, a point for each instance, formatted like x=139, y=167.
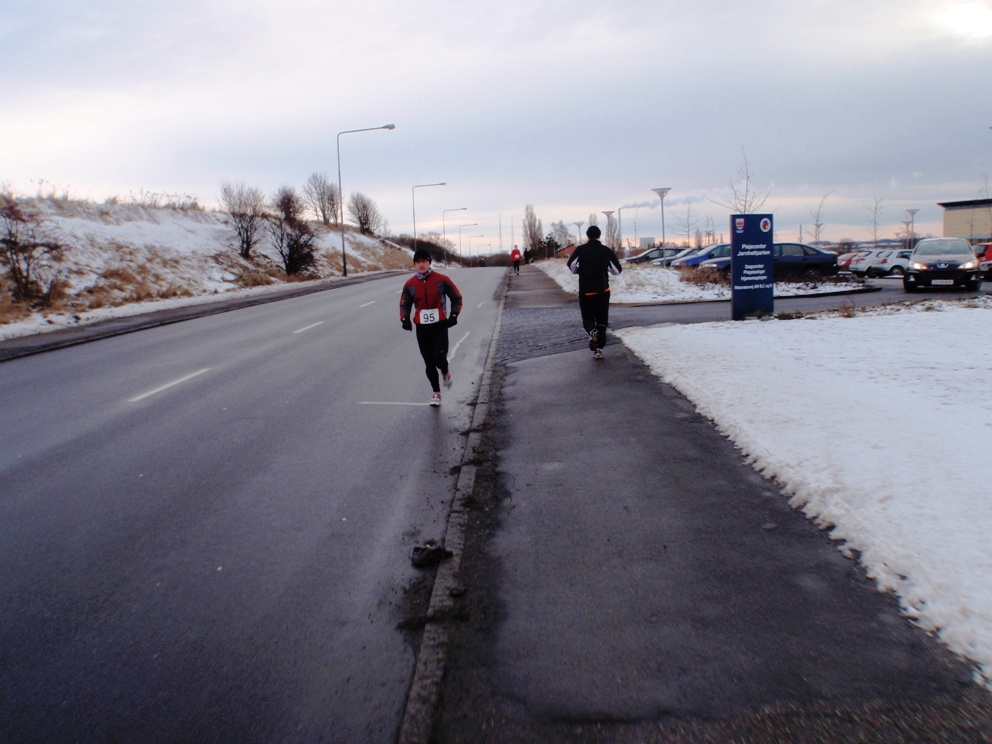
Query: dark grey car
x=942, y=262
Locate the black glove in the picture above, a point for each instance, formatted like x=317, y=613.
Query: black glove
x=453, y=320
x=407, y=325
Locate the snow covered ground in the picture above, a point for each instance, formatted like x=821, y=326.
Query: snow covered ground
x=879, y=426
x=654, y=284
x=128, y=259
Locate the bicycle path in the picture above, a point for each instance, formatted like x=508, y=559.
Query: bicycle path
x=628, y=577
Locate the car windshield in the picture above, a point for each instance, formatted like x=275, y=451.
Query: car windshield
x=938, y=247
x=688, y=252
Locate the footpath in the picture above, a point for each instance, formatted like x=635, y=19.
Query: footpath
x=627, y=577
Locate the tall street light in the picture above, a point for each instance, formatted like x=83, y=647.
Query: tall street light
x=620, y=228
x=912, y=225
x=578, y=230
x=413, y=198
x=344, y=260
x=609, y=225
x=470, y=243
x=444, y=232
x=470, y=224
x=661, y=195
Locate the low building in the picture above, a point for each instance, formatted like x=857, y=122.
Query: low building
x=565, y=252
x=971, y=219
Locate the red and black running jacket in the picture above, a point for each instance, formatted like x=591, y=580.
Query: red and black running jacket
x=428, y=292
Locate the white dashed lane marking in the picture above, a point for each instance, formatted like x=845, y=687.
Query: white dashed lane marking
x=312, y=325
x=167, y=386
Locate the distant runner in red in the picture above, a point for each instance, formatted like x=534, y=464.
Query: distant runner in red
x=515, y=256
x=426, y=293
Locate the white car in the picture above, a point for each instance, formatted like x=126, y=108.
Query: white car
x=860, y=263
x=889, y=263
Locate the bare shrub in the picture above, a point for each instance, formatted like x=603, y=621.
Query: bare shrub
x=291, y=236
x=365, y=214
x=246, y=207
x=29, y=249
x=704, y=277
x=322, y=197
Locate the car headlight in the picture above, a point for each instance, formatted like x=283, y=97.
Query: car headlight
x=918, y=266
x=969, y=265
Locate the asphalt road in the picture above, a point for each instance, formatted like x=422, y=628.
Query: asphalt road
x=205, y=528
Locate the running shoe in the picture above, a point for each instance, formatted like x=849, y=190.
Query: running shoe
x=436, y=399
x=447, y=379
x=593, y=337
x=598, y=354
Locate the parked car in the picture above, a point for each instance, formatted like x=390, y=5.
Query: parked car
x=844, y=260
x=652, y=254
x=788, y=259
x=860, y=263
x=667, y=261
x=983, y=251
x=720, y=250
x=942, y=262
x=889, y=263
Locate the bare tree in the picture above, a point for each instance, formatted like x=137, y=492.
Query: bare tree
x=686, y=223
x=291, y=236
x=818, y=218
x=559, y=232
x=321, y=196
x=30, y=250
x=247, y=208
x=593, y=219
x=364, y=213
x=612, y=233
x=745, y=199
x=873, y=212
x=533, y=230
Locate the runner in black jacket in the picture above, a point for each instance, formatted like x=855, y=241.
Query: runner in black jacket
x=594, y=262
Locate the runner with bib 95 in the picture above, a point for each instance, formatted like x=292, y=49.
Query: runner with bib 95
x=427, y=293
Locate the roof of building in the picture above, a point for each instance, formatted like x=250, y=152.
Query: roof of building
x=966, y=204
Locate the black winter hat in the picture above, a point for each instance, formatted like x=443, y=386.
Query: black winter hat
x=593, y=232
x=421, y=254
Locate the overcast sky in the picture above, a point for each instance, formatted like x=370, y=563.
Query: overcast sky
x=574, y=107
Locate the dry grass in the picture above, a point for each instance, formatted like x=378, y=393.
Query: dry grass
x=703, y=277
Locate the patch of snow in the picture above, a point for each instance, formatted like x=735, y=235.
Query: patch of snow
x=879, y=426
x=654, y=284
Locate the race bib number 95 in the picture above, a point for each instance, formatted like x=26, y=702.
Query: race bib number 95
x=429, y=316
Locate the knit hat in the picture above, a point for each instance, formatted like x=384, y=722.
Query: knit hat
x=421, y=254
x=593, y=232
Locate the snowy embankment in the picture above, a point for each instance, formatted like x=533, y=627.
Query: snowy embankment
x=878, y=426
x=129, y=259
x=655, y=284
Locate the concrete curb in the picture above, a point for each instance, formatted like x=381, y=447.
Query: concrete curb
x=38, y=343
x=425, y=690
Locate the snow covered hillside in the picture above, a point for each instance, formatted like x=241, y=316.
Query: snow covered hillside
x=118, y=255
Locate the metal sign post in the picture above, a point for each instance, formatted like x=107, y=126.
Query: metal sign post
x=752, y=275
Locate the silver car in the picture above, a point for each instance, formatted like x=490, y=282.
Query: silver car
x=942, y=262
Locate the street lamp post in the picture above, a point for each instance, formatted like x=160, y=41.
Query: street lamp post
x=620, y=228
x=444, y=232
x=912, y=226
x=578, y=230
x=460, y=255
x=344, y=260
x=470, y=242
x=661, y=195
x=413, y=198
x=609, y=225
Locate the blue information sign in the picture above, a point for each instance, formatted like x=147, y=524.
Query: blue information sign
x=752, y=280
